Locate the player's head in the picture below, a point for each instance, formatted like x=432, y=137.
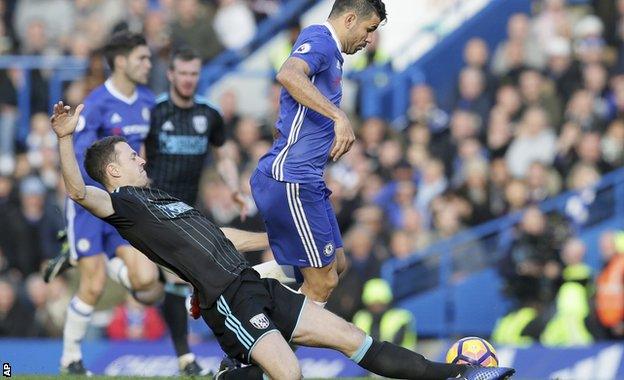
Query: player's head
x=183, y=73
x=355, y=22
x=127, y=53
x=113, y=163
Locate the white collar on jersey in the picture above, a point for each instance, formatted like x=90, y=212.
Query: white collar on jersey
x=333, y=34
x=113, y=91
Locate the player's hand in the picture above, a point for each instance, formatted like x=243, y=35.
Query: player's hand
x=344, y=137
x=63, y=121
x=239, y=199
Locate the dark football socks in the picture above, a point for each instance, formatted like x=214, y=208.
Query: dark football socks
x=176, y=318
x=387, y=359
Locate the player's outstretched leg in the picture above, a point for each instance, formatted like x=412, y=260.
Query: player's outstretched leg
x=80, y=310
x=320, y=328
x=273, y=354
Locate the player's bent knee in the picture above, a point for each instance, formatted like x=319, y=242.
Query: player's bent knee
x=143, y=278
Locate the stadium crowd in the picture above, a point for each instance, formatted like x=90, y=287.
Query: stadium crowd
x=538, y=114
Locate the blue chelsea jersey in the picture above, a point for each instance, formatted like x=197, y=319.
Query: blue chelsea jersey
x=107, y=112
x=301, y=151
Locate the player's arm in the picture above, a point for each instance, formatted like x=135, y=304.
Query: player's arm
x=245, y=241
x=96, y=200
x=295, y=77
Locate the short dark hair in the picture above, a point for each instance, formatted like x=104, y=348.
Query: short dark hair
x=99, y=155
x=121, y=43
x=184, y=54
x=362, y=8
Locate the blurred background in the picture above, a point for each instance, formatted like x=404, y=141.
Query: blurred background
x=485, y=187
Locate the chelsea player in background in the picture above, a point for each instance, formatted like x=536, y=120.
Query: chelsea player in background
x=288, y=185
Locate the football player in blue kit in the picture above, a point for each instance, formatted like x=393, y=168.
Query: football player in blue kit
x=288, y=185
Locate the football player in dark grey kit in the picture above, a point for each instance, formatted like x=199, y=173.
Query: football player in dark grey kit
x=252, y=318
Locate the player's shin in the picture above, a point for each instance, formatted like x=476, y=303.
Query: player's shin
x=78, y=318
x=387, y=359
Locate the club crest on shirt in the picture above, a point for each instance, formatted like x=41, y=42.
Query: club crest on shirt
x=260, y=321
x=83, y=245
x=329, y=249
x=200, y=123
x=304, y=48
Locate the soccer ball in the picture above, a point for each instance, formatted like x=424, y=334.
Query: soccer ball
x=472, y=350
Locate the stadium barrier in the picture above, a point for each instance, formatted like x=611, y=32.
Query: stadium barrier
x=453, y=287
x=40, y=357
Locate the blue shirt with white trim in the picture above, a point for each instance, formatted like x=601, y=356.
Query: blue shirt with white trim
x=301, y=151
x=107, y=112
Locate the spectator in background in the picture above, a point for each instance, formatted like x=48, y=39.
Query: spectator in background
x=613, y=144
x=595, y=81
x=516, y=195
x=193, y=27
x=135, y=321
x=536, y=91
x=562, y=68
x=15, y=319
x=44, y=324
x=472, y=96
x=382, y=321
x=567, y=327
x=609, y=300
x=234, y=24
x=264, y=8
x=509, y=101
x=228, y=104
x=280, y=53
x=158, y=37
x=499, y=133
x=95, y=19
x=518, y=34
x=553, y=20
x=535, y=141
x=445, y=146
x=582, y=111
x=475, y=190
x=47, y=13
x=531, y=266
x=541, y=182
x=477, y=55
x=372, y=56
x=589, y=44
x=424, y=110
x=134, y=17
x=499, y=178
x=32, y=228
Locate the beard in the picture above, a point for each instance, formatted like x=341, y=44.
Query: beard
x=181, y=95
